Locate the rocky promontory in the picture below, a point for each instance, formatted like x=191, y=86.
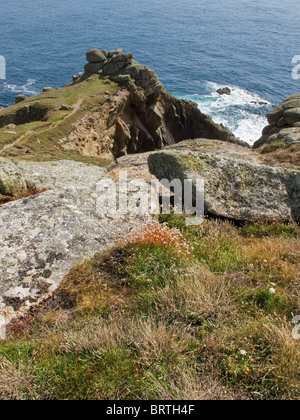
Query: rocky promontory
x=115, y=107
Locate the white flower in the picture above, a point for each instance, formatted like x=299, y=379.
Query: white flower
x=272, y=291
x=243, y=352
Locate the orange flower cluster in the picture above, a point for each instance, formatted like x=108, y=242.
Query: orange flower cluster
x=160, y=234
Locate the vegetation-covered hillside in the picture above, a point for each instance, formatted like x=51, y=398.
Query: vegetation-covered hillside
x=176, y=313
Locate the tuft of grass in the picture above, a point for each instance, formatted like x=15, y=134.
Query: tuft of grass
x=266, y=229
x=275, y=146
x=283, y=155
x=218, y=245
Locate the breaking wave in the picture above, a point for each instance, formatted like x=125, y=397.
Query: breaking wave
x=243, y=112
x=8, y=91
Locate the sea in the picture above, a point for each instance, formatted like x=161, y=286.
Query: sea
x=194, y=46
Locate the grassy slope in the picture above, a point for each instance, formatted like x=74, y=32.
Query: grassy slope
x=44, y=143
x=149, y=320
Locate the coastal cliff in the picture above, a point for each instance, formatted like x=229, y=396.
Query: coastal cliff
x=104, y=304
x=116, y=107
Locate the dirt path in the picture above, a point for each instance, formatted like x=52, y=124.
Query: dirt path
x=76, y=107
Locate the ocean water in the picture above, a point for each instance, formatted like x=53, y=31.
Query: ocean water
x=195, y=47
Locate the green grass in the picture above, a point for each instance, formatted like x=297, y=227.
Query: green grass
x=264, y=229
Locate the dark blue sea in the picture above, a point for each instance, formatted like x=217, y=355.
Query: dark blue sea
x=195, y=47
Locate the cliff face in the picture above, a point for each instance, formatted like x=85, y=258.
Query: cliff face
x=142, y=117
x=116, y=107
x=183, y=120
x=133, y=123
x=147, y=117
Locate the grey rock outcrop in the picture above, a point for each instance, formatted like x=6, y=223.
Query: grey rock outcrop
x=121, y=68
x=12, y=181
x=234, y=188
x=66, y=107
x=224, y=91
x=48, y=89
x=92, y=68
x=284, y=123
x=20, y=98
x=43, y=236
x=96, y=56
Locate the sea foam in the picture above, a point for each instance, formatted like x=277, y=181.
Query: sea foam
x=27, y=88
x=243, y=112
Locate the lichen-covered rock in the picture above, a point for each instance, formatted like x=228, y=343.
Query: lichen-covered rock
x=114, y=52
x=280, y=111
x=20, y=98
x=284, y=123
x=115, y=67
x=96, y=56
x=12, y=181
x=48, y=89
x=44, y=236
x=121, y=68
x=66, y=107
x=234, y=189
x=92, y=68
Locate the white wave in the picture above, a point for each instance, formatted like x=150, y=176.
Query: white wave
x=26, y=89
x=243, y=112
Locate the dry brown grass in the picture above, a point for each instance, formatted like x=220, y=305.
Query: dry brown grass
x=155, y=345
x=285, y=357
x=287, y=157
x=280, y=257
x=196, y=293
x=188, y=385
x=16, y=381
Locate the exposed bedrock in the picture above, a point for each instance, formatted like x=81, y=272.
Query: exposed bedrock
x=237, y=189
x=42, y=237
x=284, y=123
